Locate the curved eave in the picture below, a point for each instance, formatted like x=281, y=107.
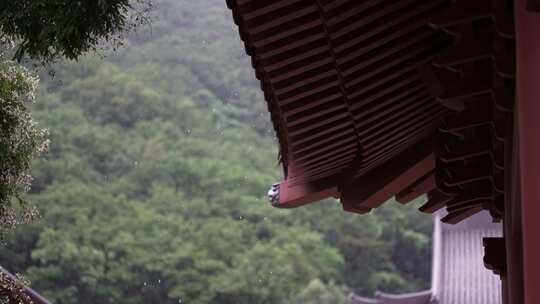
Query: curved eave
x=354, y=88
x=343, y=90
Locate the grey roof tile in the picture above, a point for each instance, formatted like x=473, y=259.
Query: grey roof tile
x=458, y=272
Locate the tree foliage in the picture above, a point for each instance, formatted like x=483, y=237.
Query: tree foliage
x=44, y=31
x=49, y=29
x=20, y=140
x=12, y=289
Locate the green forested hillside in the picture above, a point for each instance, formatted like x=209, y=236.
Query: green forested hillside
x=154, y=187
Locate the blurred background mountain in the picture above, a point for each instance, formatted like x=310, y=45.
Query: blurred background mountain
x=154, y=187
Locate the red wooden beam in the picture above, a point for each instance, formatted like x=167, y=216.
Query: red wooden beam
x=424, y=185
x=528, y=106
x=373, y=189
x=294, y=195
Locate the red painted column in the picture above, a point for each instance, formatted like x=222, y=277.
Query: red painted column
x=528, y=106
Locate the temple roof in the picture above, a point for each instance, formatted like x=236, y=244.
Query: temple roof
x=379, y=98
x=423, y=297
x=344, y=92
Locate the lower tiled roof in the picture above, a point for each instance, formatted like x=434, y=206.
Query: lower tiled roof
x=463, y=277
x=459, y=276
